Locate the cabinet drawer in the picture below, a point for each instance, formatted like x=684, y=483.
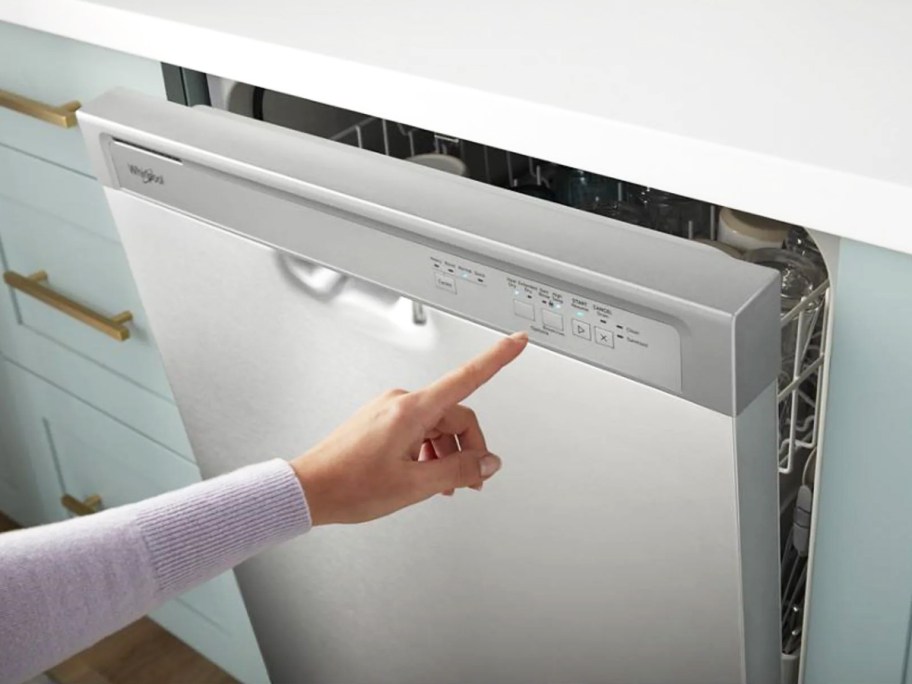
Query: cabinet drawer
x=85, y=268
x=53, y=71
x=20, y=498
x=54, y=190
x=92, y=454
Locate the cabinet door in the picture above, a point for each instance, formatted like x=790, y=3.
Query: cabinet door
x=54, y=220
x=29, y=487
x=14, y=479
x=82, y=268
x=859, y=621
x=91, y=454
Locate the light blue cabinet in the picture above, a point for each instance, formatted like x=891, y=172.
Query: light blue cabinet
x=84, y=453
x=861, y=592
x=80, y=412
x=55, y=71
x=88, y=269
x=24, y=495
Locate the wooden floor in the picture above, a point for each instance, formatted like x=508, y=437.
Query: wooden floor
x=142, y=653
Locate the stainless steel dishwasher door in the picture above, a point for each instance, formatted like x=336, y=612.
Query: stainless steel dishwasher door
x=631, y=536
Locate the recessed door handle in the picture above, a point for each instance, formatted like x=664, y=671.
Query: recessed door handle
x=63, y=115
x=319, y=281
x=326, y=284
x=34, y=286
x=87, y=506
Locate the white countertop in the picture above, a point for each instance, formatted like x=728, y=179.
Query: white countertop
x=800, y=111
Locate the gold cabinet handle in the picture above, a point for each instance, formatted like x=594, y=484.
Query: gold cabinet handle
x=63, y=116
x=87, y=506
x=34, y=286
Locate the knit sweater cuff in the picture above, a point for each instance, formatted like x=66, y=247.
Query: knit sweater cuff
x=199, y=532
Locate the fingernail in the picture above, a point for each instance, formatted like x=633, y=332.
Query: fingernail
x=489, y=465
x=521, y=336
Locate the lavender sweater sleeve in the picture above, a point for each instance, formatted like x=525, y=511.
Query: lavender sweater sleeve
x=67, y=585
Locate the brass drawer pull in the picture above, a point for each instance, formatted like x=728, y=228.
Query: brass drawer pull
x=85, y=507
x=63, y=116
x=34, y=286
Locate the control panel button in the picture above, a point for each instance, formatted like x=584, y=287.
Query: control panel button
x=553, y=321
x=445, y=282
x=582, y=329
x=604, y=337
x=523, y=309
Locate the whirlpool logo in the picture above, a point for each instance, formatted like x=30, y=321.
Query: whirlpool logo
x=147, y=175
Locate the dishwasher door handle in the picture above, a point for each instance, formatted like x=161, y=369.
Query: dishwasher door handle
x=319, y=281
x=354, y=294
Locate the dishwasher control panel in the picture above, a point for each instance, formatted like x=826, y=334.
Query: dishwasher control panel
x=594, y=331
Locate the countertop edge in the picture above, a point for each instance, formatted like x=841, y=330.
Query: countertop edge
x=855, y=207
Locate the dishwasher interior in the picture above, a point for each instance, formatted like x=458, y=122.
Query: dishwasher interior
x=789, y=249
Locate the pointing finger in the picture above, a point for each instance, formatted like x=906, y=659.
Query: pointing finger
x=458, y=384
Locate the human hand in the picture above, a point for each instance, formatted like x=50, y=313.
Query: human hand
x=404, y=447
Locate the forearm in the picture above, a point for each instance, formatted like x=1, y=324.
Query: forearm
x=67, y=585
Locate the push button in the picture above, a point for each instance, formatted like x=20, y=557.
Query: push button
x=604, y=337
x=445, y=282
x=523, y=309
x=582, y=329
x=552, y=321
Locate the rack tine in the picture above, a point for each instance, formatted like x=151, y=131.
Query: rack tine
x=359, y=136
x=808, y=300
x=386, y=140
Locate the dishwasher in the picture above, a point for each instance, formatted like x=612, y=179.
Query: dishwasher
x=296, y=259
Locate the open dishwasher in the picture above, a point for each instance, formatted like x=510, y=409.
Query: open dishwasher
x=634, y=535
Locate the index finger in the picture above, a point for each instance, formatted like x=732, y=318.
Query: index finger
x=458, y=384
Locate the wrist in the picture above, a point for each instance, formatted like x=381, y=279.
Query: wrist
x=314, y=481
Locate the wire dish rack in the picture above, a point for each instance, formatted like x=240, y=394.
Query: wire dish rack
x=804, y=329
x=486, y=164
x=799, y=380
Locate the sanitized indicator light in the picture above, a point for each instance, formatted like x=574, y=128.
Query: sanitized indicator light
x=580, y=314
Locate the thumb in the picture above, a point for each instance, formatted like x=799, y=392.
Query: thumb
x=461, y=469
